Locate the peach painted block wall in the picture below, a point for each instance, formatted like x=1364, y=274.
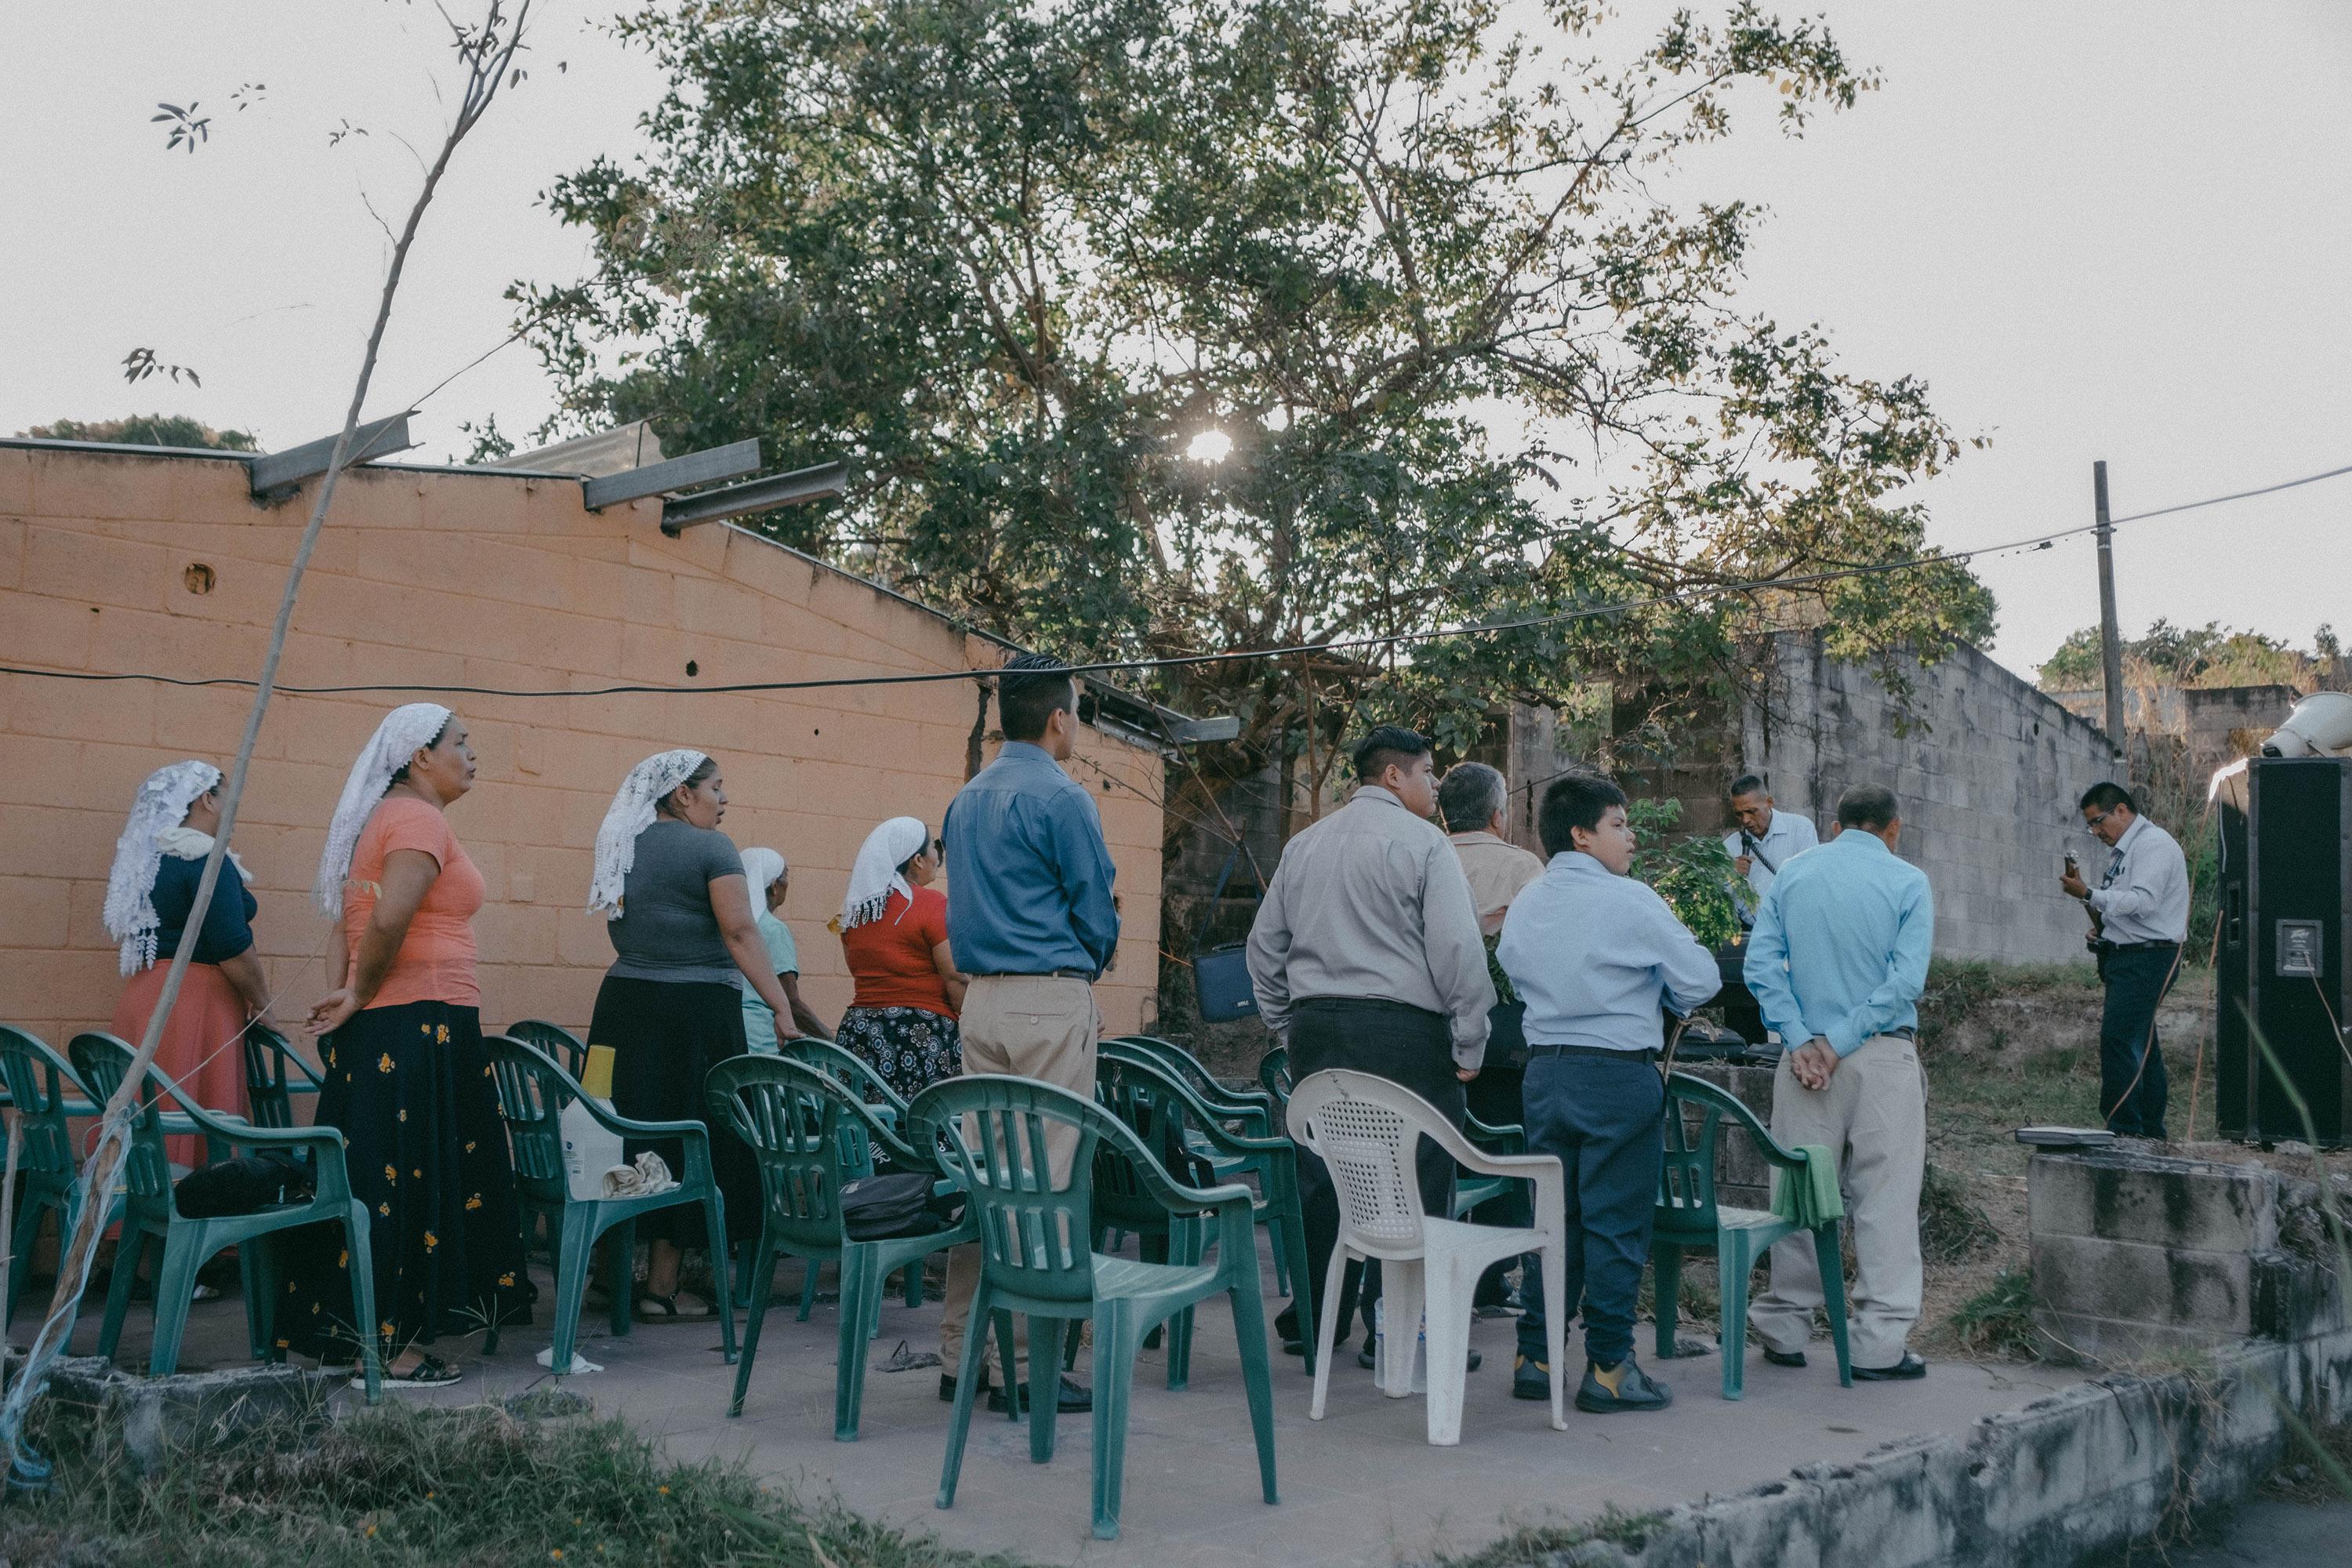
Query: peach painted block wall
x=455, y=579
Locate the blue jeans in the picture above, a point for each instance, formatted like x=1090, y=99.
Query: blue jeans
x=1605, y=1117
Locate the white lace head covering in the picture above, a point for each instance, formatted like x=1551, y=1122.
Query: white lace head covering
x=875, y=875
x=762, y=868
x=389, y=750
x=158, y=807
x=632, y=813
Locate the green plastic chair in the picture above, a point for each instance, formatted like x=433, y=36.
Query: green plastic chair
x=43, y=1090
x=553, y=1041
x=1035, y=1258
x=1254, y=1108
x=813, y=1134
x=1273, y=1074
x=884, y=1103
x=150, y=1213
x=274, y=1074
x=1177, y=1126
x=1688, y=1219
x=269, y=1087
x=1472, y=1190
x=532, y=1093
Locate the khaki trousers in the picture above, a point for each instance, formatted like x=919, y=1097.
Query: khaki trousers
x=1029, y=1025
x=1873, y=1115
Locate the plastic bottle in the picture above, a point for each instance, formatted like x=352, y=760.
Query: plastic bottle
x=589, y=1149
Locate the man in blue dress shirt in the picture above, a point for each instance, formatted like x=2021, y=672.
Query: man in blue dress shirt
x=1034, y=923
x=1837, y=963
x=1593, y=953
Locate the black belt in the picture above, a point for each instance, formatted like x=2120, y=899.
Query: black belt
x=1367, y=1005
x=1647, y=1054
x=1036, y=974
x=2137, y=946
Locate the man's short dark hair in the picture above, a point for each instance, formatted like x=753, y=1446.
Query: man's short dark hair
x=1868, y=805
x=1388, y=743
x=1748, y=783
x=1573, y=801
x=1030, y=691
x=1469, y=796
x=2107, y=794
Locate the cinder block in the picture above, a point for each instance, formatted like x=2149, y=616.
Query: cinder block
x=98, y=485
x=2211, y=1292
x=57, y=633
x=2160, y=1202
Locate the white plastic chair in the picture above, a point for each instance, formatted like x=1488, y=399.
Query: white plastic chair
x=1366, y=1130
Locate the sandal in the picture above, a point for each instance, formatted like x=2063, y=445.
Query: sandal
x=430, y=1373
x=649, y=1308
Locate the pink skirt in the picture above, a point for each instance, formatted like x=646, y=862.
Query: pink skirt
x=203, y=1049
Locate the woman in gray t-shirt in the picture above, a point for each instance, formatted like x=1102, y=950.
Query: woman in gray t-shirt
x=671, y=1006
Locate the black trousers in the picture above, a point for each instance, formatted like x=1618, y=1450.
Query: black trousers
x=2132, y=1094
x=1404, y=1045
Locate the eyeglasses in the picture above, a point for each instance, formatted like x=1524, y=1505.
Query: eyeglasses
x=2091, y=824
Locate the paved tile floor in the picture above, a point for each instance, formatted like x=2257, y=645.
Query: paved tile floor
x=1360, y=1486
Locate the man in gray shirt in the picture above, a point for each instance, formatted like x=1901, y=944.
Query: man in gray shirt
x=1366, y=955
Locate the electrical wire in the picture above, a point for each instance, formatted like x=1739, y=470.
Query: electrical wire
x=1177, y=661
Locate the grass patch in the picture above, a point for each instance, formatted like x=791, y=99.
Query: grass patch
x=1960, y=989
x=2317, y=1458
x=464, y=1488
x=1999, y=1320
x=1953, y=1227
x=1534, y=1542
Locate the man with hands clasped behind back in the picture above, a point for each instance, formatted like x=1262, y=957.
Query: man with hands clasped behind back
x=1837, y=962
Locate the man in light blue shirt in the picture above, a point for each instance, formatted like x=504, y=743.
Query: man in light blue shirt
x=1593, y=953
x=1765, y=839
x=1837, y=962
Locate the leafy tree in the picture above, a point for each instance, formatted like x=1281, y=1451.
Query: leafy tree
x=1692, y=871
x=2209, y=654
x=148, y=430
x=1156, y=327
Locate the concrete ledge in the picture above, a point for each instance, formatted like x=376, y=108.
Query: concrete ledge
x=2083, y=1472
x=195, y=1411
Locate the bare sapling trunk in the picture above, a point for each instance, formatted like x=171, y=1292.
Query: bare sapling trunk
x=487, y=52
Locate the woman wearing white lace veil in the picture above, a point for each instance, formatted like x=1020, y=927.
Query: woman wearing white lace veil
x=150, y=894
x=407, y=1078
x=902, y=1018
x=678, y=909
x=770, y=880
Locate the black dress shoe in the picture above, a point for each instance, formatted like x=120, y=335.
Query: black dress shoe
x=947, y=1385
x=1903, y=1371
x=1784, y=1358
x=1072, y=1398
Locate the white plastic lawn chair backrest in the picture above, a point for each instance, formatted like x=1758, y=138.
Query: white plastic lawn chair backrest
x=1366, y=1130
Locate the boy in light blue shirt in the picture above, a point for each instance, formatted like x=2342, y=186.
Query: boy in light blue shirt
x=1595, y=955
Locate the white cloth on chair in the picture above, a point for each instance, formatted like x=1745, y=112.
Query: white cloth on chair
x=646, y=1177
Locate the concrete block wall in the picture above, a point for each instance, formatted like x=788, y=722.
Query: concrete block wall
x=2136, y=1253
x=447, y=579
x=1988, y=770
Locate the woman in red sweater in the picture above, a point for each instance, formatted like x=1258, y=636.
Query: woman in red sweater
x=894, y=936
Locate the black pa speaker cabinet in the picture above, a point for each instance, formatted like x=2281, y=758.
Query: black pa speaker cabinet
x=2286, y=951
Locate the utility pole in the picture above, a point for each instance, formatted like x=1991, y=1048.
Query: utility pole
x=2111, y=646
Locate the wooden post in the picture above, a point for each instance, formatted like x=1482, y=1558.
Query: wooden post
x=2111, y=648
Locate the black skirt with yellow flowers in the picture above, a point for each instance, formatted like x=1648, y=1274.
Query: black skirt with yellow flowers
x=410, y=1088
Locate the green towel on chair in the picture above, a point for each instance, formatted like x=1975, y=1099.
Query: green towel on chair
x=1808, y=1195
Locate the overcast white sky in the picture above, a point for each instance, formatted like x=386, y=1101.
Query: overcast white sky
x=2115, y=231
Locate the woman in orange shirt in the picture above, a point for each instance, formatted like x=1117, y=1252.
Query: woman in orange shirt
x=408, y=1080
x=894, y=935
